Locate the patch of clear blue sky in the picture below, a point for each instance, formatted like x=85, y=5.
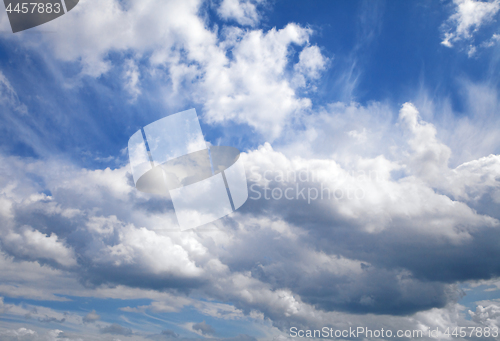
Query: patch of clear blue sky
x=477, y=294
x=396, y=46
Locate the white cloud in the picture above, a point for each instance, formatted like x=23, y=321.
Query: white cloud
x=220, y=310
x=253, y=87
x=359, y=136
x=311, y=64
x=475, y=179
x=155, y=253
x=8, y=96
x=36, y=245
x=20, y=334
x=472, y=132
x=126, y=26
x=132, y=82
x=244, y=12
x=383, y=199
x=33, y=281
x=489, y=315
x=103, y=225
x=469, y=16
x=241, y=76
x=27, y=312
x=492, y=41
x=429, y=158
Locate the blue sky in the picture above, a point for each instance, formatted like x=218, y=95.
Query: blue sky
x=390, y=106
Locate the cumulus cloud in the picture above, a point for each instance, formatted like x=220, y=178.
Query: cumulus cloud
x=33, y=244
x=244, y=12
x=254, y=88
x=21, y=334
x=236, y=75
x=469, y=16
x=366, y=231
x=129, y=26
x=489, y=315
x=429, y=157
x=311, y=64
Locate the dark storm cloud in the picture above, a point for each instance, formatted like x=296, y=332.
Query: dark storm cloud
x=47, y=217
x=426, y=264
x=136, y=276
x=409, y=270
x=324, y=257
